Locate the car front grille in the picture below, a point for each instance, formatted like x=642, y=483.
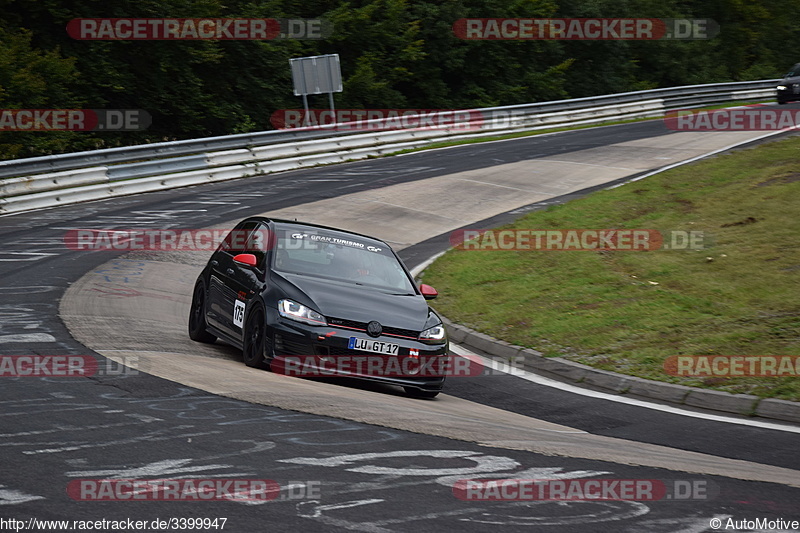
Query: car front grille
x=362, y=326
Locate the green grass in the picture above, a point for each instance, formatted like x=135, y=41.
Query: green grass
x=627, y=311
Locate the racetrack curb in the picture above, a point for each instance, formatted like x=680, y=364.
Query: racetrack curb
x=565, y=370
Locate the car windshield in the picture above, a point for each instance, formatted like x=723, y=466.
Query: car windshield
x=341, y=257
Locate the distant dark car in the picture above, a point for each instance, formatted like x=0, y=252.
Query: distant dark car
x=789, y=87
x=317, y=300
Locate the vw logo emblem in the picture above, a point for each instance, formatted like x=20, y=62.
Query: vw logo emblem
x=374, y=329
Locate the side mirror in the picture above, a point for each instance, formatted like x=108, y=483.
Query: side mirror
x=246, y=259
x=428, y=292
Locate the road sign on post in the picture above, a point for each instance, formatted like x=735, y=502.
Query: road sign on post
x=316, y=75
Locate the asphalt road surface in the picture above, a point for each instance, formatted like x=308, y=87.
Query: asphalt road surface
x=67, y=442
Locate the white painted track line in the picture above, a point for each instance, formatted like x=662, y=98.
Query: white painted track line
x=547, y=382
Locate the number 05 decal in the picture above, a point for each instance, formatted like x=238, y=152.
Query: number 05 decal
x=238, y=313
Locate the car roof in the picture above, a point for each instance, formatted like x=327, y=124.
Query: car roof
x=299, y=225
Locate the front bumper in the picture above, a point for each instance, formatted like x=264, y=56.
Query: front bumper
x=322, y=351
x=791, y=93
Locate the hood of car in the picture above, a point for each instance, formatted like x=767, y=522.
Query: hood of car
x=348, y=301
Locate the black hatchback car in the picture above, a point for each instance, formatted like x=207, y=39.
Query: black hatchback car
x=309, y=300
x=789, y=87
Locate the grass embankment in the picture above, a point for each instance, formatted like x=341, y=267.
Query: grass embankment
x=627, y=311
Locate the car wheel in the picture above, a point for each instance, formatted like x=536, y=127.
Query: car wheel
x=781, y=102
x=255, y=340
x=197, y=316
x=419, y=393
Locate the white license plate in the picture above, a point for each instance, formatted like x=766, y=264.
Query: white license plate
x=369, y=345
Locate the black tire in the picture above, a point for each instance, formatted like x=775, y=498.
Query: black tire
x=255, y=341
x=419, y=393
x=782, y=102
x=197, y=316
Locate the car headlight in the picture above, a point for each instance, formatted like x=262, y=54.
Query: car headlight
x=781, y=87
x=295, y=311
x=434, y=335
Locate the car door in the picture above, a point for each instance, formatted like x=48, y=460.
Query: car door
x=226, y=284
x=247, y=281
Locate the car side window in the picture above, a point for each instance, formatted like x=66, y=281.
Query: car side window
x=257, y=244
x=236, y=241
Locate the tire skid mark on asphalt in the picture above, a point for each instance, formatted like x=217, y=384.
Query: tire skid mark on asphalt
x=449, y=417
x=254, y=392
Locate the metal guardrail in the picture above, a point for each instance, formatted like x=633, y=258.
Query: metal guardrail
x=55, y=180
